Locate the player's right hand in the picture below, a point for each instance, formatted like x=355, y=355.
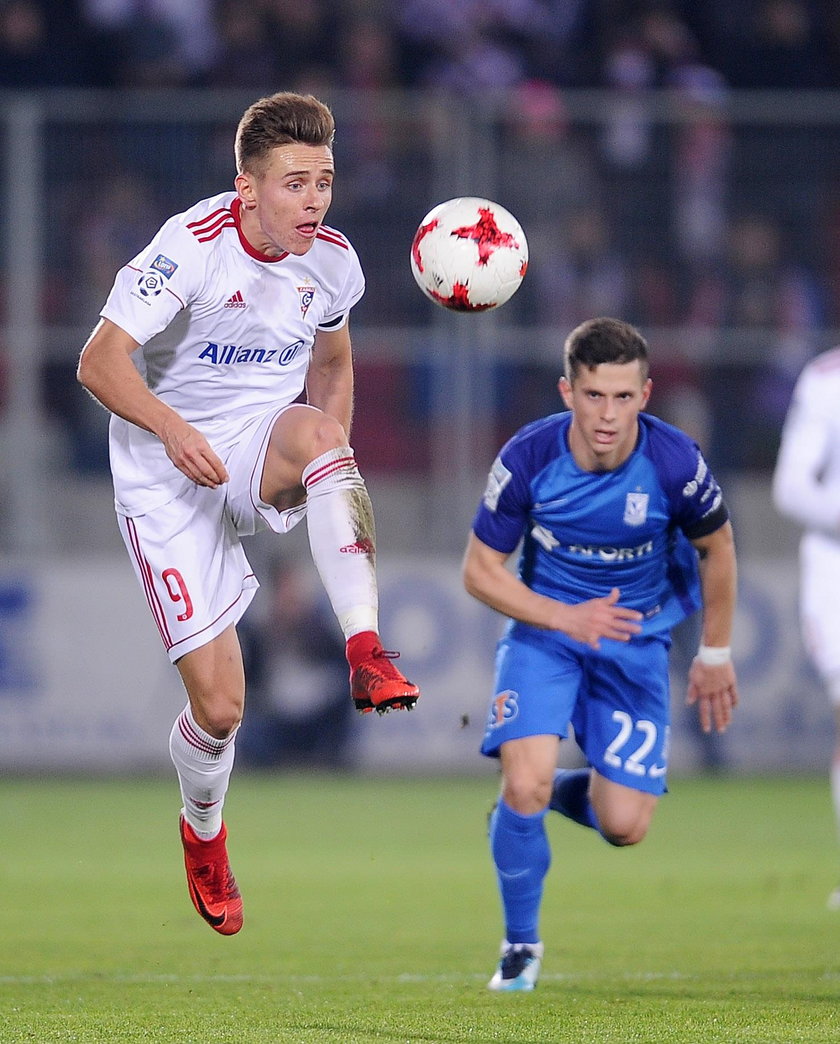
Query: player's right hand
x=602, y=618
x=192, y=454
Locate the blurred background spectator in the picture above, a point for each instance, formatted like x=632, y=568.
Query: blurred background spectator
x=789, y=44
x=760, y=312
x=152, y=43
x=41, y=45
x=246, y=54
x=583, y=273
x=298, y=709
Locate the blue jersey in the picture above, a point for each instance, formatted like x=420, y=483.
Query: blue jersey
x=585, y=532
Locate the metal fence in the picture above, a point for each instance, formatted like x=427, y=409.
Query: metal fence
x=711, y=221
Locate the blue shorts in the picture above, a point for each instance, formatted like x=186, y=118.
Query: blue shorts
x=616, y=699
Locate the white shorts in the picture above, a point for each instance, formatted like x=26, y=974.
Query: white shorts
x=819, y=606
x=187, y=554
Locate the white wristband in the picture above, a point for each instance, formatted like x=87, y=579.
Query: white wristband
x=714, y=655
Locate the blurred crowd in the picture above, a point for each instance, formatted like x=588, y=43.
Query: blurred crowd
x=462, y=45
x=728, y=232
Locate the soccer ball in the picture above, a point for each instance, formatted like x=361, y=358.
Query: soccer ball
x=469, y=254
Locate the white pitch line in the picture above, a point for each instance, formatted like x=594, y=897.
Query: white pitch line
x=98, y=977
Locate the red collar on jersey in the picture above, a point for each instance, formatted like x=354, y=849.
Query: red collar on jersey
x=235, y=209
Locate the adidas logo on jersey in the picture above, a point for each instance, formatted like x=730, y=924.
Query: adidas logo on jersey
x=236, y=301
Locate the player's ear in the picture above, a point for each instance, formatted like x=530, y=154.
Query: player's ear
x=245, y=187
x=565, y=390
x=647, y=388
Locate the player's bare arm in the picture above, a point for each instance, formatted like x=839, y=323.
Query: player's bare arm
x=329, y=381
x=487, y=578
x=107, y=372
x=713, y=687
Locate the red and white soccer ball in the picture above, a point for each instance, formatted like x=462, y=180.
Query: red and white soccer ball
x=469, y=254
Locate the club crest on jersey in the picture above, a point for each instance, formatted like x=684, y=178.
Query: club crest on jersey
x=504, y=708
x=307, y=294
x=635, y=508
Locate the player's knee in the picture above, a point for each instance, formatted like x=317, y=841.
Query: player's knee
x=326, y=433
x=301, y=435
x=526, y=795
x=624, y=839
x=220, y=718
x=621, y=831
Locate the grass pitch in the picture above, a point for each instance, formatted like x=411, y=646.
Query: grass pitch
x=372, y=918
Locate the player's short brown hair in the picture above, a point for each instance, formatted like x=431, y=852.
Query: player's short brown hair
x=285, y=118
x=603, y=340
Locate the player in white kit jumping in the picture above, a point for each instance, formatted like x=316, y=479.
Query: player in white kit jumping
x=806, y=488
x=207, y=340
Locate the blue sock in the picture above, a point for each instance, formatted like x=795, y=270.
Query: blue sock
x=520, y=851
x=570, y=797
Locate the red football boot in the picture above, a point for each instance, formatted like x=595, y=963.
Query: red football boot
x=210, y=880
x=375, y=683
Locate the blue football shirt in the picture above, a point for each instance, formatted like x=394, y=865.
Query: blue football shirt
x=585, y=532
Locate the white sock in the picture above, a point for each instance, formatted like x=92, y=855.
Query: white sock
x=204, y=765
x=342, y=538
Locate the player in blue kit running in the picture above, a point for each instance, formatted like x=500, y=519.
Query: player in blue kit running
x=624, y=533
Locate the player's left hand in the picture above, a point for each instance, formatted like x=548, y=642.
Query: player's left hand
x=714, y=689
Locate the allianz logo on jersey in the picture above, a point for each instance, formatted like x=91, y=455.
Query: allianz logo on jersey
x=237, y=354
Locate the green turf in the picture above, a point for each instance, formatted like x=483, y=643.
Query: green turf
x=372, y=918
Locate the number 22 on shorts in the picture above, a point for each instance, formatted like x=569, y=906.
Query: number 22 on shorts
x=631, y=746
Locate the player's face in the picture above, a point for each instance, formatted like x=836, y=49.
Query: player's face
x=283, y=206
x=605, y=402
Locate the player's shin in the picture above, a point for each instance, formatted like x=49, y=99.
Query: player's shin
x=342, y=538
x=204, y=765
x=522, y=856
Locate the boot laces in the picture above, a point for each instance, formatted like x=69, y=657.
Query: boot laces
x=217, y=878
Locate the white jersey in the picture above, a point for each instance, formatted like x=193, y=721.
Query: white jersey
x=806, y=483
x=226, y=333
x=806, y=488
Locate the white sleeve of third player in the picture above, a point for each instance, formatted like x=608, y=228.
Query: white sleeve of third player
x=803, y=487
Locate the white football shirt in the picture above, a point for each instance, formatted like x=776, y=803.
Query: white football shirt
x=806, y=487
x=226, y=333
x=806, y=483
